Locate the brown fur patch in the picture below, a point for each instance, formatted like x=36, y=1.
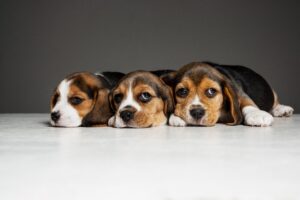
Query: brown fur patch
x=233, y=115
x=86, y=106
x=94, y=108
x=152, y=113
x=197, y=78
x=211, y=105
x=101, y=110
x=246, y=101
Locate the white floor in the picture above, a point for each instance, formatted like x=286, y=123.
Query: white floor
x=38, y=162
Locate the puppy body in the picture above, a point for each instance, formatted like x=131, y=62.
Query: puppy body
x=81, y=99
x=207, y=93
x=139, y=100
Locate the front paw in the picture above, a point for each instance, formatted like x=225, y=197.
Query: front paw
x=255, y=117
x=111, y=121
x=282, y=111
x=176, y=121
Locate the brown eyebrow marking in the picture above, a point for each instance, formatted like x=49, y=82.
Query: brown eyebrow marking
x=82, y=85
x=196, y=72
x=207, y=82
x=151, y=81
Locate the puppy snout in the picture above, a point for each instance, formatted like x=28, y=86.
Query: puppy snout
x=55, y=116
x=197, y=113
x=127, y=114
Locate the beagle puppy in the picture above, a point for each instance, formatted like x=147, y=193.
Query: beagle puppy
x=141, y=99
x=81, y=99
x=207, y=93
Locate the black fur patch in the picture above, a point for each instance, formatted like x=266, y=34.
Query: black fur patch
x=162, y=72
x=81, y=84
x=112, y=78
x=253, y=84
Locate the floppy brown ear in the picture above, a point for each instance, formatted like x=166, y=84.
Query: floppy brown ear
x=111, y=101
x=233, y=114
x=167, y=97
x=101, y=111
x=169, y=78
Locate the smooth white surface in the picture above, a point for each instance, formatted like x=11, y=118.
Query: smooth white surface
x=38, y=162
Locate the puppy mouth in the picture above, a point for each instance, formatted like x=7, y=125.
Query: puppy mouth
x=134, y=125
x=196, y=122
x=64, y=123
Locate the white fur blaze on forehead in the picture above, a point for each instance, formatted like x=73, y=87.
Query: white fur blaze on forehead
x=69, y=117
x=196, y=101
x=130, y=101
x=64, y=88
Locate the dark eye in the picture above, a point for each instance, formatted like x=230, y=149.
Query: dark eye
x=210, y=92
x=145, y=97
x=118, y=98
x=75, y=100
x=182, y=92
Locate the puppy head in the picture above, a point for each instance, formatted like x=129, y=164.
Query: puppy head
x=141, y=99
x=81, y=99
x=203, y=96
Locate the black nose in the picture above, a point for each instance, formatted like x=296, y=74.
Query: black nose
x=197, y=113
x=55, y=116
x=126, y=115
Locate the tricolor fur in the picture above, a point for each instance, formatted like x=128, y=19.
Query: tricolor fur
x=81, y=99
x=207, y=93
x=141, y=99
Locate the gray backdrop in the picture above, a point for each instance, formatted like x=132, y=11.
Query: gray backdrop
x=42, y=41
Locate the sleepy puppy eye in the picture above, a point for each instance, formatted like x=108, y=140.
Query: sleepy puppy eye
x=211, y=92
x=75, y=100
x=145, y=97
x=182, y=92
x=118, y=98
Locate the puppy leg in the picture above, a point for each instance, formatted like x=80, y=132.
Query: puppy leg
x=176, y=121
x=253, y=116
x=280, y=110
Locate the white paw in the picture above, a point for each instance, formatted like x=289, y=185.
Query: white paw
x=255, y=117
x=176, y=121
x=282, y=111
x=111, y=121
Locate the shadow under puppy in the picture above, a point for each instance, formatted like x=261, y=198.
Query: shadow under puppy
x=141, y=99
x=81, y=99
x=207, y=93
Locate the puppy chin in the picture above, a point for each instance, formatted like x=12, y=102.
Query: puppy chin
x=200, y=122
x=206, y=122
x=196, y=122
x=117, y=122
x=66, y=123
